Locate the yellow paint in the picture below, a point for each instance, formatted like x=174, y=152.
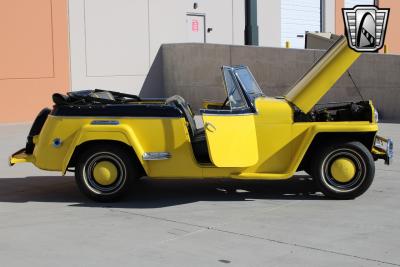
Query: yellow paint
x=377, y=152
x=322, y=76
x=21, y=158
x=305, y=133
x=155, y=134
x=231, y=139
x=263, y=145
x=105, y=173
x=343, y=170
x=207, y=103
x=266, y=144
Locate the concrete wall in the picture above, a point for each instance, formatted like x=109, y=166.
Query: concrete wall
x=193, y=71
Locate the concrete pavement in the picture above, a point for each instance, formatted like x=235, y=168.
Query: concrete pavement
x=45, y=221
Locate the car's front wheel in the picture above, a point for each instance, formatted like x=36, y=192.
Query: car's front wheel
x=343, y=171
x=103, y=172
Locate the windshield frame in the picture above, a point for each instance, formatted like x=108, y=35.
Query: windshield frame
x=248, y=100
x=249, y=96
x=228, y=73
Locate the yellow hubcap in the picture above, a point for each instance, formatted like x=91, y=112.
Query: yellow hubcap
x=343, y=170
x=105, y=173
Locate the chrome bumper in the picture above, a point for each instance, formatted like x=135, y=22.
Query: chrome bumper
x=383, y=149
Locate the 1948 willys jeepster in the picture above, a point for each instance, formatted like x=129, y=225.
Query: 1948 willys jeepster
x=109, y=138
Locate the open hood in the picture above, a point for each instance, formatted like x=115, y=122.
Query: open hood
x=317, y=81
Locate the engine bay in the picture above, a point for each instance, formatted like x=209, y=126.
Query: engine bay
x=344, y=111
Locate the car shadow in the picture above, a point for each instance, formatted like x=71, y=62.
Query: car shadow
x=151, y=193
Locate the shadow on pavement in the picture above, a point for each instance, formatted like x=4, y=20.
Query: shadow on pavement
x=149, y=193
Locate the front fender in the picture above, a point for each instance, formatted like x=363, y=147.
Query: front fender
x=305, y=133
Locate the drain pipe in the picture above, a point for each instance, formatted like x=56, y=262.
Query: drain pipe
x=251, y=29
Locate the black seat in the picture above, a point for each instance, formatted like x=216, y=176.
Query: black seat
x=181, y=104
x=197, y=135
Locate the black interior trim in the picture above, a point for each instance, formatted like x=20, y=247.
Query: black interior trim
x=227, y=112
x=118, y=110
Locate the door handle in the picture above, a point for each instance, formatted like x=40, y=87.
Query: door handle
x=209, y=126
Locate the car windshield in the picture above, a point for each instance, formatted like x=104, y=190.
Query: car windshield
x=235, y=97
x=248, y=83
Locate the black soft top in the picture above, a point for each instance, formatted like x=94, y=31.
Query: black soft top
x=96, y=96
x=102, y=103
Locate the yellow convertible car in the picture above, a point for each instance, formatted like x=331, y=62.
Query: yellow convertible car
x=109, y=139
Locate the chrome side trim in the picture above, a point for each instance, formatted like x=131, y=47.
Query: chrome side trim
x=156, y=156
x=104, y=122
x=228, y=114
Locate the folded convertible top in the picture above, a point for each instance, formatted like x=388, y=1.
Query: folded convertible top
x=96, y=96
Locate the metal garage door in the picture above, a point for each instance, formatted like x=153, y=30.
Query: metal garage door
x=351, y=3
x=297, y=17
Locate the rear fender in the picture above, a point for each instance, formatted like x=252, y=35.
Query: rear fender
x=120, y=133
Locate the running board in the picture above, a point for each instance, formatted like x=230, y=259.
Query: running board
x=262, y=176
x=156, y=156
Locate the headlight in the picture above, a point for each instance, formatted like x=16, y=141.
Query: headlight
x=376, y=116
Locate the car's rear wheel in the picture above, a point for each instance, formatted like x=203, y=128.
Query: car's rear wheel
x=343, y=171
x=104, y=172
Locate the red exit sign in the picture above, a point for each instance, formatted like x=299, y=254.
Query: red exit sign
x=195, y=25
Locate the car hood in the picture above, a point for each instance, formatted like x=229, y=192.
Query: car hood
x=317, y=81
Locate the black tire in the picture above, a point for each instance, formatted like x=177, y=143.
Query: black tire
x=363, y=163
x=120, y=157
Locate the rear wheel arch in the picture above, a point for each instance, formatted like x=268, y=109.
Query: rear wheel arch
x=84, y=146
x=105, y=171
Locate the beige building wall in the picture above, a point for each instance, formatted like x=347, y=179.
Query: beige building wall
x=33, y=56
x=339, y=25
x=392, y=39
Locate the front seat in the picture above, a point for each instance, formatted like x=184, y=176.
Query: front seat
x=197, y=135
x=182, y=105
